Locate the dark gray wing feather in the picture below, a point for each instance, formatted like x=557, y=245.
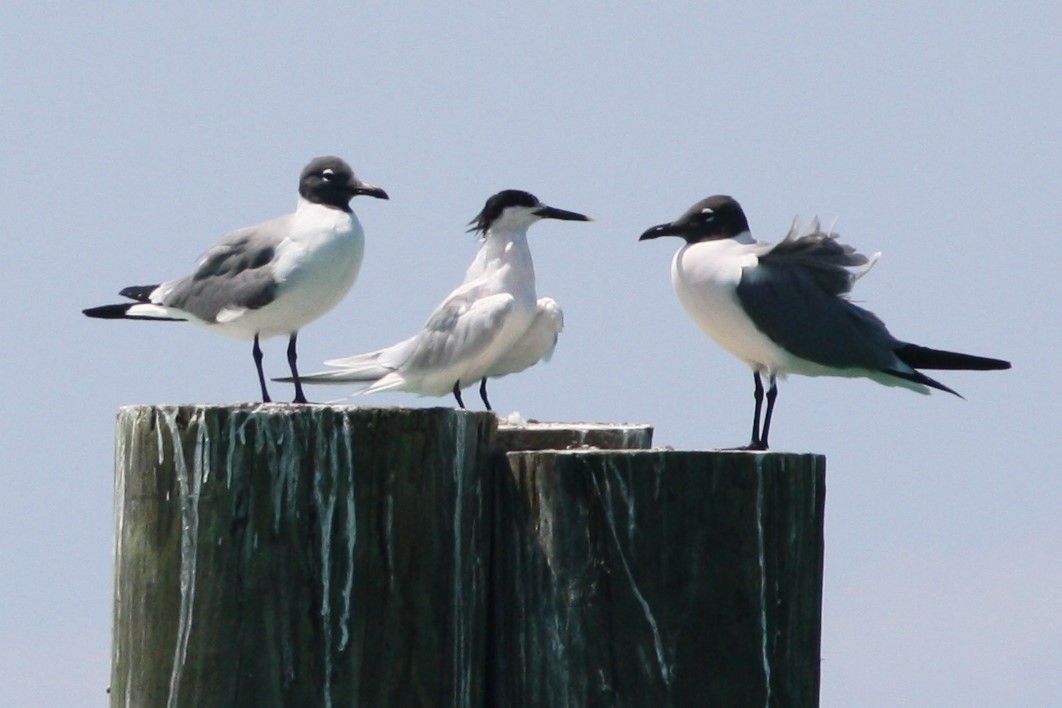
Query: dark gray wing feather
x=236, y=273
x=819, y=253
x=796, y=296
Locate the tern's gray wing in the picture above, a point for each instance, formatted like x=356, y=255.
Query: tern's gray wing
x=234, y=275
x=536, y=344
x=795, y=295
x=461, y=329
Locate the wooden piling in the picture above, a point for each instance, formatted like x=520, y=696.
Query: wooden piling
x=657, y=579
x=300, y=556
x=342, y=556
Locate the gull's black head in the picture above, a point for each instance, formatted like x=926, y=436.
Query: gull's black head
x=331, y=182
x=710, y=219
x=514, y=208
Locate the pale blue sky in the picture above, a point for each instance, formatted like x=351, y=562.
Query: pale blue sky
x=135, y=137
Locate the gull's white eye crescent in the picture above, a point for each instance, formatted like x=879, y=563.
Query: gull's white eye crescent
x=327, y=173
x=707, y=210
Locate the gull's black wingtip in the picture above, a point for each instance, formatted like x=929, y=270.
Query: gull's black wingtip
x=140, y=293
x=108, y=312
x=121, y=312
x=919, y=357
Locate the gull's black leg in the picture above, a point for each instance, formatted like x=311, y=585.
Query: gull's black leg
x=300, y=397
x=483, y=393
x=256, y=352
x=757, y=392
x=457, y=394
x=772, y=393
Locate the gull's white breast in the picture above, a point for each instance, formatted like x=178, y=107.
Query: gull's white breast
x=705, y=276
x=314, y=267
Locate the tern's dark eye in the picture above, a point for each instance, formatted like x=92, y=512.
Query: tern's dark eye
x=327, y=175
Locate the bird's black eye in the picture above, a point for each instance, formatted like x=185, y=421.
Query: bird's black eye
x=327, y=174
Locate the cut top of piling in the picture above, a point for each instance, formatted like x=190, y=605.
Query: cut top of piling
x=534, y=436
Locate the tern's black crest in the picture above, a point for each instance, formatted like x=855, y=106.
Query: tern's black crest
x=330, y=181
x=497, y=204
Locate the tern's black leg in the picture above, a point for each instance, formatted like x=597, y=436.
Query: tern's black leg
x=256, y=352
x=300, y=397
x=457, y=393
x=757, y=392
x=483, y=393
x=772, y=393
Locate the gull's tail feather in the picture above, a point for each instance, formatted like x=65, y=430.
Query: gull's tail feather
x=918, y=357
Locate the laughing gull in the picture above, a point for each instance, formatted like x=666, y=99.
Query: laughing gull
x=783, y=308
x=270, y=279
x=490, y=326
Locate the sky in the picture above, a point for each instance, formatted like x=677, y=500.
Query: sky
x=136, y=136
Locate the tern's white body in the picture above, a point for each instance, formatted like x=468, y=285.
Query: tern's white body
x=471, y=334
x=490, y=326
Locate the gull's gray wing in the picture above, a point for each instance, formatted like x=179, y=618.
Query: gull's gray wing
x=233, y=276
x=796, y=296
x=826, y=260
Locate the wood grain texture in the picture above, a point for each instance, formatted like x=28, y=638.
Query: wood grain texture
x=658, y=579
x=274, y=555
x=311, y=555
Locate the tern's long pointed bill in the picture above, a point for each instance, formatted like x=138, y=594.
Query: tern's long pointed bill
x=548, y=212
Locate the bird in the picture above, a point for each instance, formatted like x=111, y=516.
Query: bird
x=783, y=308
x=270, y=279
x=536, y=345
x=489, y=326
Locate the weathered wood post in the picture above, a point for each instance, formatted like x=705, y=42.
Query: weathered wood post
x=274, y=555
x=657, y=578
x=300, y=556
